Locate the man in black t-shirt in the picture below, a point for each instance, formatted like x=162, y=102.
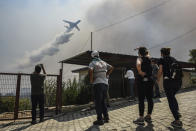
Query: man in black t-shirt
x=37, y=92
x=171, y=86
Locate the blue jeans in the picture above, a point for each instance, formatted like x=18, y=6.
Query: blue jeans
x=100, y=92
x=131, y=85
x=156, y=86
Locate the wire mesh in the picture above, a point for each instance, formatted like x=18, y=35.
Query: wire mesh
x=8, y=83
x=7, y=95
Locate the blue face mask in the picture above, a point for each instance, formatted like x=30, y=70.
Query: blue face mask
x=96, y=59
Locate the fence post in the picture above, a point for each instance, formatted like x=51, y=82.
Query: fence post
x=60, y=89
x=17, y=97
x=57, y=95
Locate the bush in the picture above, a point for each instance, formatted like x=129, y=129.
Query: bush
x=7, y=104
x=85, y=92
x=24, y=104
x=70, y=92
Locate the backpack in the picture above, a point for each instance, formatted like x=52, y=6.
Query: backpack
x=174, y=71
x=146, y=66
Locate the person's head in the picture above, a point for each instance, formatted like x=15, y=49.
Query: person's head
x=165, y=52
x=95, y=54
x=142, y=51
x=37, y=69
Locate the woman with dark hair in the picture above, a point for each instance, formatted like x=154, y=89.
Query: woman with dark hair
x=144, y=85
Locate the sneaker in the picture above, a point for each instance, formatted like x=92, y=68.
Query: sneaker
x=98, y=122
x=176, y=124
x=33, y=122
x=106, y=119
x=139, y=121
x=41, y=120
x=148, y=119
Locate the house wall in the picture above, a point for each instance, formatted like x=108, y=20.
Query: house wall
x=118, y=84
x=186, y=81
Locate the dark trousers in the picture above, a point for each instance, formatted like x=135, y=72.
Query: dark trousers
x=145, y=90
x=37, y=99
x=100, y=93
x=171, y=87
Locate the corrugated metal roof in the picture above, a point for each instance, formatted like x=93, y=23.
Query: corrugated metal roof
x=116, y=60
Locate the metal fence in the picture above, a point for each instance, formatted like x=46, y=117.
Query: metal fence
x=15, y=95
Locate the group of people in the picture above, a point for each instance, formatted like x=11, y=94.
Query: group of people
x=130, y=78
x=148, y=76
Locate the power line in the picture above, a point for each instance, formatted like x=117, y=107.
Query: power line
x=130, y=17
x=174, y=39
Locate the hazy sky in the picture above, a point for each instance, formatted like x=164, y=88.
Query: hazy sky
x=26, y=26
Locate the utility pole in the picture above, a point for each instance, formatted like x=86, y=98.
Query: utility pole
x=91, y=41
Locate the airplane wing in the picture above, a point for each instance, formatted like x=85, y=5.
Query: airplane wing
x=68, y=22
x=77, y=28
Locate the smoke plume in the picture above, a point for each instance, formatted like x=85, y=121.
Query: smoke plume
x=49, y=49
x=149, y=23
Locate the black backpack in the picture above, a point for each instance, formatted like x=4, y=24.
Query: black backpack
x=174, y=71
x=146, y=66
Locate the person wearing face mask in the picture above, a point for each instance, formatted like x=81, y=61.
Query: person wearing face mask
x=144, y=85
x=99, y=72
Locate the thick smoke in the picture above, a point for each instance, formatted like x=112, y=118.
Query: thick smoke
x=48, y=50
x=161, y=21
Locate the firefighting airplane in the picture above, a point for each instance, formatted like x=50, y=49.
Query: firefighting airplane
x=72, y=25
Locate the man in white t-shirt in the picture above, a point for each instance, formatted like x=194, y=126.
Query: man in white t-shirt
x=99, y=73
x=130, y=82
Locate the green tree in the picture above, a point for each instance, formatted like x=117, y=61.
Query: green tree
x=193, y=56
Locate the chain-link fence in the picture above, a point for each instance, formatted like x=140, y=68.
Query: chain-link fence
x=15, y=95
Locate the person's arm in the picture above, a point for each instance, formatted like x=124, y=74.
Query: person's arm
x=160, y=72
x=91, y=67
x=138, y=66
x=109, y=71
x=91, y=75
x=42, y=66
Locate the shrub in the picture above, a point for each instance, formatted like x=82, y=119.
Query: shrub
x=70, y=92
x=85, y=92
x=24, y=104
x=7, y=104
